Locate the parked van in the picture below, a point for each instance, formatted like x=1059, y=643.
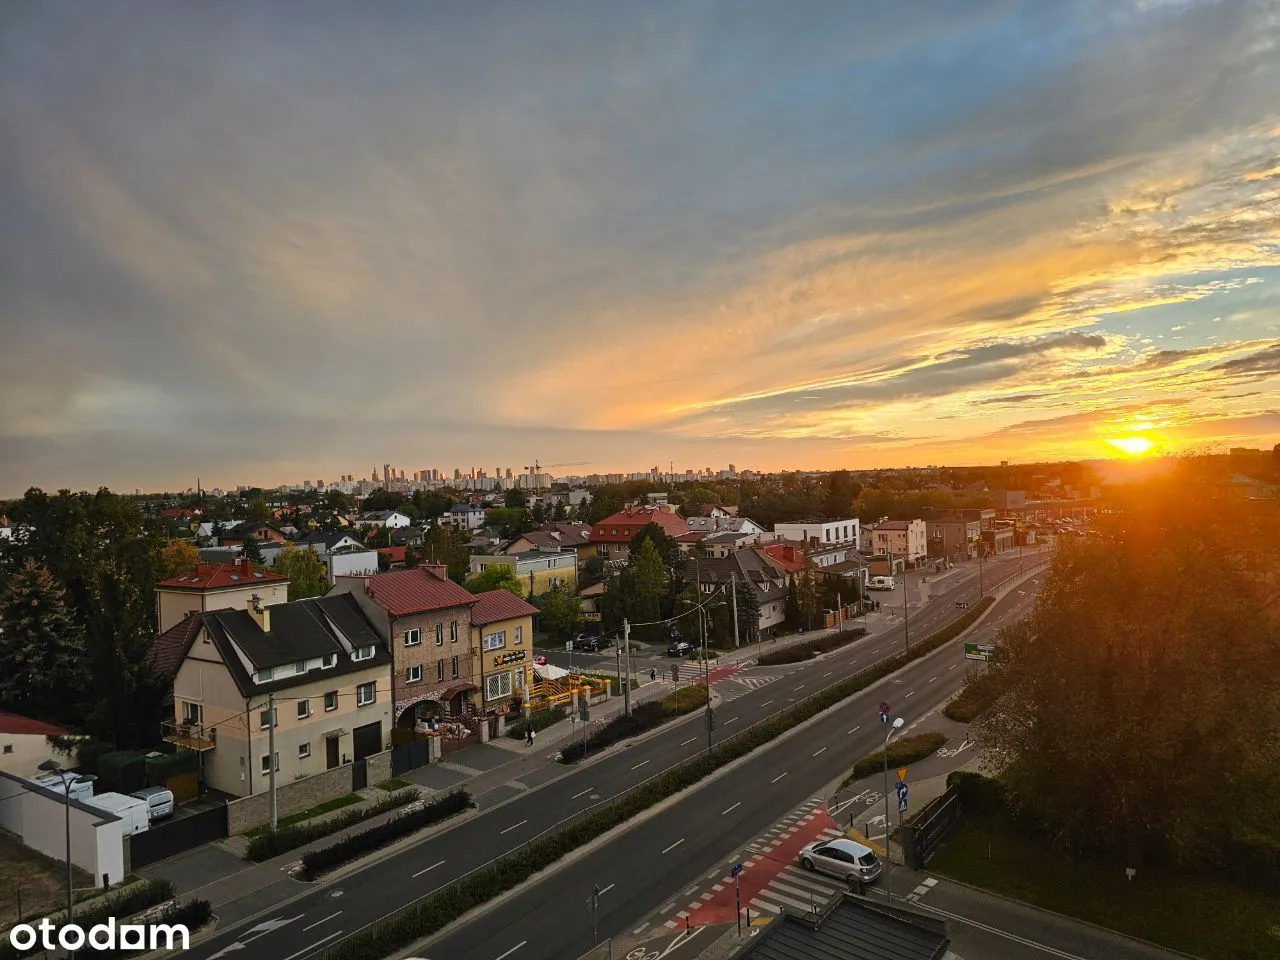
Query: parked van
x=129, y=809
x=882, y=583
x=79, y=791
x=159, y=801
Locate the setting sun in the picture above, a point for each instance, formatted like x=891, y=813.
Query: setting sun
x=1134, y=446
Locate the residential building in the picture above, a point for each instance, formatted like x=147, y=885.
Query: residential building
x=954, y=534
x=998, y=539
x=24, y=744
x=722, y=544
x=721, y=522
x=537, y=570
x=557, y=535
x=502, y=643
x=613, y=535
x=902, y=538
x=789, y=559
x=383, y=518
x=589, y=598
x=314, y=669
x=744, y=568
x=237, y=533
x=426, y=620
x=823, y=532
x=465, y=515
x=407, y=536
x=325, y=542
x=215, y=587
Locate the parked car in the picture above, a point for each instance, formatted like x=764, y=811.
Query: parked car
x=159, y=802
x=131, y=810
x=586, y=643
x=679, y=648
x=843, y=858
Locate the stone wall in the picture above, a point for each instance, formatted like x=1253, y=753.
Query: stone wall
x=299, y=795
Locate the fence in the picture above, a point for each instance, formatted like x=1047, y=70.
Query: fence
x=920, y=837
x=176, y=836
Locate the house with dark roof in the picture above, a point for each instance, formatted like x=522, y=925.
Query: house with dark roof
x=613, y=535
x=325, y=542
x=850, y=927
x=537, y=570
x=502, y=643
x=24, y=744
x=557, y=535
x=315, y=670
x=384, y=518
x=465, y=515
x=213, y=586
x=723, y=523
x=234, y=535
x=425, y=620
x=742, y=570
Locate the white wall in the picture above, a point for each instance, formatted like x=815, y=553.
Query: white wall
x=39, y=817
x=824, y=531
x=355, y=564
x=22, y=753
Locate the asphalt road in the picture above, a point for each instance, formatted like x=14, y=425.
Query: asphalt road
x=643, y=869
x=330, y=911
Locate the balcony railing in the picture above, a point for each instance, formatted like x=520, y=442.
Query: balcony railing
x=190, y=734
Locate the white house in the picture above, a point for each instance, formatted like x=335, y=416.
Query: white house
x=384, y=518
x=902, y=538
x=723, y=523
x=822, y=532
x=464, y=515
x=24, y=744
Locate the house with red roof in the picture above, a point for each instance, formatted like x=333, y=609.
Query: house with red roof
x=213, y=586
x=502, y=641
x=24, y=744
x=612, y=535
x=425, y=619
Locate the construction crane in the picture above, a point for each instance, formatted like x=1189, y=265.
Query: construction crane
x=537, y=467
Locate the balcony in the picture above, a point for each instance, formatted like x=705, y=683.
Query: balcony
x=189, y=735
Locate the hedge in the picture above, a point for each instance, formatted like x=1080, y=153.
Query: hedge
x=975, y=697
x=901, y=752
x=273, y=843
x=434, y=913
x=357, y=844
x=644, y=716
x=193, y=915
x=978, y=794
x=132, y=899
x=539, y=720
x=808, y=649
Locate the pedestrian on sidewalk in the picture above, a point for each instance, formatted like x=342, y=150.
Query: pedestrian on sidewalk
x=653, y=673
x=528, y=737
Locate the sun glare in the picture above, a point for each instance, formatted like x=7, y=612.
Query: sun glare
x=1134, y=446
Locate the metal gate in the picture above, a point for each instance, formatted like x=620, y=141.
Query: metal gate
x=359, y=775
x=366, y=740
x=176, y=836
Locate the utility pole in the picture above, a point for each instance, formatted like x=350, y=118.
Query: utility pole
x=271, y=753
x=906, y=628
x=706, y=677
x=839, y=613
x=626, y=683
x=737, y=637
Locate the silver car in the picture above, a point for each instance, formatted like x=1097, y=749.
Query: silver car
x=846, y=859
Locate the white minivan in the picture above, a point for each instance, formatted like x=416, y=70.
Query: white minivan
x=81, y=790
x=881, y=583
x=129, y=809
x=159, y=801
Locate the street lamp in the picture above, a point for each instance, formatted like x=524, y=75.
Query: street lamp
x=888, y=881
x=52, y=766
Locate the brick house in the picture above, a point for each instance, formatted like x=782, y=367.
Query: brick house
x=426, y=620
x=612, y=536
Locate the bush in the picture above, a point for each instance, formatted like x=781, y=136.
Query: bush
x=193, y=914
x=132, y=899
x=975, y=697
x=121, y=771
x=273, y=843
x=808, y=649
x=644, y=716
x=539, y=720
x=165, y=767
x=978, y=794
x=357, y=844
x=901, y=752
x=433, y=913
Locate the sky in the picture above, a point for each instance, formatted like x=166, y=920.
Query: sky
x=261, y=242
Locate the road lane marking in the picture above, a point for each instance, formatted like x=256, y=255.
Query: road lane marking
x=689, y=741
x=582, y=794
x=766, y=703
x=325, y=920
x=778, y=777
x=512, y=950
x=640, y=764
x=953, y=666
x=909, y=694
x=729, y=721
x=313, y=946
x=856, y=729
x=827, y=674
x=428, y=870
x=820, y=751
x=606, y=889
x=640, y=929
x=667, y=907
x=674, y=845
x=801, y=687
x=513, y=826
x=731, y=809
x=931, y=679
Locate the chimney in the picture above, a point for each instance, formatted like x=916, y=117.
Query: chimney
x=261, y=614
x=246, y=568
x=438, y=570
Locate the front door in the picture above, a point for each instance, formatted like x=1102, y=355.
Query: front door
x=331, y=752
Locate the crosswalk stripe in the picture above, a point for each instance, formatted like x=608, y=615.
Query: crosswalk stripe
x=760, y=904
x=787, y=901
x=810, y=896
x=807, y=880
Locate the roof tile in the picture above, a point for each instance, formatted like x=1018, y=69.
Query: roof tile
x=402, y=592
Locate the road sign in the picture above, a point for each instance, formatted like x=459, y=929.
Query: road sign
x=902, y=805
x=675, y=673
x=978, y=651
x=902, y=790
x=902, y=774
x=962, y=604
x=884, y=711
x=568, y=646
x=737, y=869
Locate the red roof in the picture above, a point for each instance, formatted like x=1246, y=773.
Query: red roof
x=171, y=646
x=402, y=592
x=394, y=554
x=13, y=723
x=628, y=522
x=784, y=556
x=494, y=605
x=214, y=576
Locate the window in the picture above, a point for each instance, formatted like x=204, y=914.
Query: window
x=362, y=653
x=304, y=709
x=267, y=719
x=331, y=701
x=516, y=641
x=439, y=669
x=454, y=667
x=412, y=637
x=413, y=674
x=497, y=685
x=365, y=694
x=453, y=632
x=519, y=678
x=8, y=748
x=330, y=660
x=439, y=634
x=192, y=713
x=496, y=641
x=263, y=676
x=266, y=762
x=304, y=751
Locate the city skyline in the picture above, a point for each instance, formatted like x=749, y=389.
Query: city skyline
x=244, y=242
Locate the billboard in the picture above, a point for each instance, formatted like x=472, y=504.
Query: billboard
x=979, y=651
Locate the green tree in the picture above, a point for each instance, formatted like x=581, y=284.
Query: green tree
x=668, y=550
x=177, y=557
x=515, y=499
x=644, y=587
x=561, y=612
x=748, y=611
x=411, y=557
x=252, y=550
x=41, y=649
x=383, y=500
x=842, y=490
x=308, y=576
x=447, y=545
x=509, y=523
x=538, y=514
x=592, y=571
x=258, y=511
x=560, y=512
x=384, y=563
x=496, y=576
x=604, y=501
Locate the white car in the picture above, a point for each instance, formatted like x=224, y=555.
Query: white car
x=846, y=859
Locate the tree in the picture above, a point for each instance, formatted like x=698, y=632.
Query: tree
x=447, y=545
x=41, y=649
x=509, y=522
x=809, y=597
x=842, y=490
x=561, y=612
x=605, y=501
x=383, y=500
x=592, y=571
x=384, y=563
x=515, y=499
x=643, y=586
x=496, y=576
x=748, y=611
x=252, y=550
x=560, y=512
x=177, y=557
x=539, y=514
x=308, y=576
x=668, y=550
x=258, y=511
x=411, y=557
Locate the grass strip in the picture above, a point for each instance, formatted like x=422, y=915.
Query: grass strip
x=643, y=717
x=808, y=649
x=319, y=810
x=902, y=752
x=435, y=912
x=355, y=845
x=273, y=843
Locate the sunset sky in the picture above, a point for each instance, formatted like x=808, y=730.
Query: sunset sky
x=261, y=242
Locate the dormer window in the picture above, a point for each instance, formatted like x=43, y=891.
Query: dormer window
x=362, y=653
x=263, y=676
x=330, y=660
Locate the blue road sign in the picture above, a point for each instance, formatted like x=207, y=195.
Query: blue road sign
x=902, y=804
x=737, y=869
x=902, y=791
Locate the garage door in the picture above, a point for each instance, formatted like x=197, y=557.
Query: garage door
x=367, y=740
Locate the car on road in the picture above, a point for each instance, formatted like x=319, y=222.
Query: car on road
x=843, y=858
x=679, y=648
x=539, y=661
x=586, y=643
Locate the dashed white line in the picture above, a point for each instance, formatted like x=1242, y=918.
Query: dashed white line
x=953, y=666
x=640, y=764
x=640, y=929
x=778, y=777
x=582, y=794
x=910, y=693
x=731, y=809
x=607, y=889
x=317, y=943
x=689, y=741
x=820, y=750
x=513, y=826
x=512, y=950
x=856, y=729
x=674, y=845
x=766, y=703
x=827, y=674
x=931, y=679
x=729, y=721
x=325, y=920
x=428, y=870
